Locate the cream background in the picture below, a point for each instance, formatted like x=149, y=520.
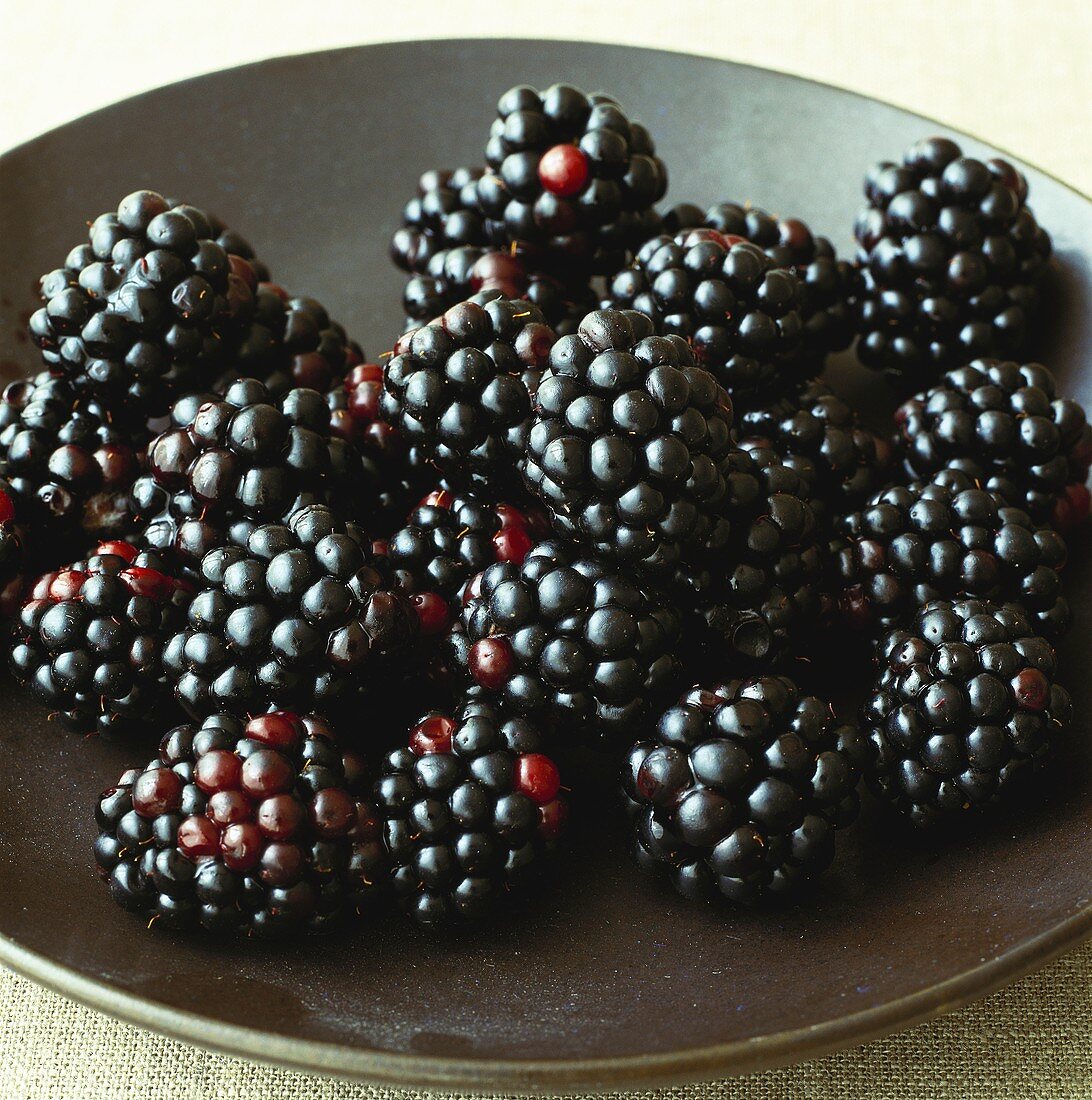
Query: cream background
x=1017, y=74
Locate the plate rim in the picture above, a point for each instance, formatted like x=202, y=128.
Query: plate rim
x=541, y=1076
x=274, y=59
x=547, y=1077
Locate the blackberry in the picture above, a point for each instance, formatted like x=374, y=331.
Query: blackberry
x=1005, y=425
x=742, y=789
x=828, y=286
x=571, y=642
x=395, y=475
x=950, y=257
x=69, y=466
x=444, y=544
x=301, y=616
x=469, y=808
x=442, y=215
x=964, y=709
x=628, y=443
x=89, y=641
x=240, y=461
x=459, y=389
x=447, y=279
x=911, y=545
x=260, y=826
x=748, y=599
x=458, y=273
x=448, y=539
x=570, y=175
x=740, y=310
x=292, y=342
x=153, y=305
x=816, y=432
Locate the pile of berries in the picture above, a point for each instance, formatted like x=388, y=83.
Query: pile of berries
x=595, y=495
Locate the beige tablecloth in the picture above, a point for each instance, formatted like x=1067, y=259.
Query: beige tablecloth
x=1014, y=72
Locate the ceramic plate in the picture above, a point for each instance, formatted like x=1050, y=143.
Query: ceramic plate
x=608, y=980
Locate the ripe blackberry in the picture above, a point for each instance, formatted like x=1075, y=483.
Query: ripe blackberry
x=447, y=279
x=240, y=461
x=69, y=466
x=449, y=539
x=726, y=297
x=89, y=641
x=828, y=286
x=964, y=708
x=257, y=826
x=742, y=789
x=571, y=175
x=469, y=808
x=459, y=389
x=572, y=642
x=458, y=273
x=301, y=616
x=950, y=256
x=153, y=305
x=628, y=443
x=748, y=599
x=292, y=342
x=1005, y=425
x=818, y=434
x=911, y=545
x=395, y=475
x=442, y=215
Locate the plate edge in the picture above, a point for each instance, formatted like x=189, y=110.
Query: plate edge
x=547, y=1077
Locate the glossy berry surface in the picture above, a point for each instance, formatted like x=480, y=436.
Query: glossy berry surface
x=1004, y=424
x=951, y=256
x=628, y=442
x=291, y=342
x=469, y=808
x=67, y=463
x=459, y=389
x=444, y=245
x=570, y=175
x=963, y=711
x=742, y=789
x=301, y=616
x=155, y=303
x=239, y=461
x=456, y=274
x=261, y=826
x=571, y=641
x=747, y=598
x=442, y=215
x=739, y=310
x=947, y=539
x=564, y=170
x=395, y=474
x=828, y=285
x=817, y=433
x=89, y=641
x=448, y=539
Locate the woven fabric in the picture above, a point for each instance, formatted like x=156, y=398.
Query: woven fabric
x=1014, y=73
x=1032, y=1041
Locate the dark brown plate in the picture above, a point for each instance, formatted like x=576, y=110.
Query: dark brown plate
x=609, y=979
